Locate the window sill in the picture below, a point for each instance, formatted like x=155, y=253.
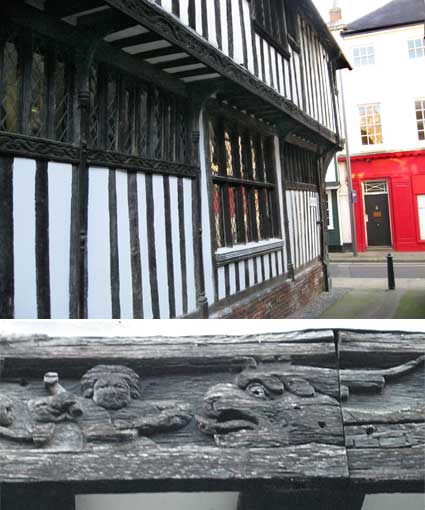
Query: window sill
x=224, y=256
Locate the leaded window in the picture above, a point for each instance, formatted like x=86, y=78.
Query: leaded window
x=274, y=20
x=242, y=167
x=370, y=124
x=36, y=87
x=9, y=77
x=38, y=98
x=420, y=118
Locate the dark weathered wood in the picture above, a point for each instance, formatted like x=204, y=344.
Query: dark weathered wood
x=136, y=264
x=152, y=254
x=384, y=420
x=7, y=303
x=113, y=243
x=301, y=500
x=19, y=496
x=271, y=410
x=322, y=466
x=42, y=240
x=169, y=246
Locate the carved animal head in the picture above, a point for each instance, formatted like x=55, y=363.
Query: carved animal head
x=111, y=386
x=7, y=412
x=269, y=409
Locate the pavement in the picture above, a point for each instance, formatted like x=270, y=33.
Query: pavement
x=378, y=256
x=359, y=288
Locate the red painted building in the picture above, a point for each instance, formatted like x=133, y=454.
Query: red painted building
x=390, y=200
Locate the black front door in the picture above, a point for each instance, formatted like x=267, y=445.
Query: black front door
x=378, y=220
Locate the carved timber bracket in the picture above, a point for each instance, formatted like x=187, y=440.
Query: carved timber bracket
x=323, y=410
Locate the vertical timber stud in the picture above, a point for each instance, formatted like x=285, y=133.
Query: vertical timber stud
x=323, y=162
x=36, y=497
x=290, y=263
x=194, y=157
x=7, y=294
x=85, y=56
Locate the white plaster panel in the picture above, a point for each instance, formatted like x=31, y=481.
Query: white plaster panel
x=24, y=238
x=124, y=251
x=190, y=256
x=99, y=304
x=60, y=193
x=175, y=236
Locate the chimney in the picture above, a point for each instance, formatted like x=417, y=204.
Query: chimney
x=335, y=14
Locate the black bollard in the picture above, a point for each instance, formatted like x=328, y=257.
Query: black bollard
x=390, y=272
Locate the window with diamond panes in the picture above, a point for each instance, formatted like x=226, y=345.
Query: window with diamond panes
x=299, y=165
x=363, y=56
x=242, y=168
x=9, y=77
x=128, y=116
x=370, y=124
x=35, y=89
x=416, y=48
x=420, y=118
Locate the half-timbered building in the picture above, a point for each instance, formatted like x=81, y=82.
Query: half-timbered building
x=164, y=159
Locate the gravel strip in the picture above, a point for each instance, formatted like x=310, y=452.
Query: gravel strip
x=315, y=309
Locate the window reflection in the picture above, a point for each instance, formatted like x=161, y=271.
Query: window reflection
x=242, y=167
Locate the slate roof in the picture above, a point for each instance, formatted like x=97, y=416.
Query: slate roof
x=392, y=14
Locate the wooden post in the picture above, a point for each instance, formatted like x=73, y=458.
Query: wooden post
x=80, y=244
x=324, y=160
x=291, y=269
x=202, y=300
x=7, y=295
x=36, y=497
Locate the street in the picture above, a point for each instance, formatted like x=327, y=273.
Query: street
x=359, y=291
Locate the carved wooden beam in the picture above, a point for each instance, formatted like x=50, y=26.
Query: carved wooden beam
x=158, y=20
x=314, y=418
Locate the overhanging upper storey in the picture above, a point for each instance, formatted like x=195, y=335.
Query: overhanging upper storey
x=278, y=57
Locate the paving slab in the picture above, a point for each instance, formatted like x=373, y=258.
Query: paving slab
x=378, y=256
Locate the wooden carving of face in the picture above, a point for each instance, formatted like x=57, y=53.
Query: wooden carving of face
x=111, y=392
x=7, y=414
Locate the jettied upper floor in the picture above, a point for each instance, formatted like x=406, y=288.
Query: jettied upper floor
x=274, y=59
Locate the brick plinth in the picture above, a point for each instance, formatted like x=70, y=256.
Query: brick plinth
x=274, y=300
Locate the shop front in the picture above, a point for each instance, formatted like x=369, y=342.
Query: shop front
x=390, y=206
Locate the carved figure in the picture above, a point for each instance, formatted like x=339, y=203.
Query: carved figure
x=287, y=405
x=62, y=405
x=7, y=412
x=118, y=413
x=7, y=422
x=111, y=387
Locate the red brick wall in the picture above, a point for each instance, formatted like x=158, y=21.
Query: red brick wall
x=276, y=300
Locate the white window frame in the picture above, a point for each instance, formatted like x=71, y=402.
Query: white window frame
x=421, y=110
x=374, y=128
x=416, y=48
x=364, y=55
x=421, y=219
x=330, y=211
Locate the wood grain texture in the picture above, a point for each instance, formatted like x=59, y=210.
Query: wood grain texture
x=275, y=410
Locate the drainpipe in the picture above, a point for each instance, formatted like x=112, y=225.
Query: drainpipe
x=349, y=177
